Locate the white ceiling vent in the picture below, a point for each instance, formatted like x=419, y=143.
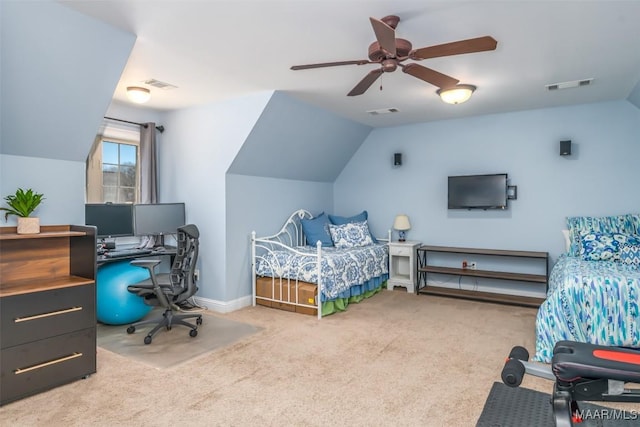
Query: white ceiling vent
x=383, y=111
x=159, y=84
x=567, y=85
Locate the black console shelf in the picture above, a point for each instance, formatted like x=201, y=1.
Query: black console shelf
x=424, y=269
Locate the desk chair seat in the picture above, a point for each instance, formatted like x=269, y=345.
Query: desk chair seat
x=166, y=290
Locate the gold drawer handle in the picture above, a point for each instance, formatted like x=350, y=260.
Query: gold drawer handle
x=49, y=363
x=53, y=313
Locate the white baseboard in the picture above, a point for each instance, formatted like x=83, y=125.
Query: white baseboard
x=225, y=306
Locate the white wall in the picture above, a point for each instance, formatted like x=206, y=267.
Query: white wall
x=599, y=178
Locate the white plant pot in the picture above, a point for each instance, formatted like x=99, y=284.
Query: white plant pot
x=28, y=225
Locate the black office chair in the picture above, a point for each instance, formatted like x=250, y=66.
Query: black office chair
x=167, y=290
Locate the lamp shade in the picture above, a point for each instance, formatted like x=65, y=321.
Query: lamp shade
x=139, y=95
x=401, y=223
x=457, y=94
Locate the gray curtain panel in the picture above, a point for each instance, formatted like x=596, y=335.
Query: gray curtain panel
x=148, y=164
x=148, y=172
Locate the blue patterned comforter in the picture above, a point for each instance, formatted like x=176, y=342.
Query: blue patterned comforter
x=589, y=301
x=341, y=268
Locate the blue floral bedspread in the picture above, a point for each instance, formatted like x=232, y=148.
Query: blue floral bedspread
x=341, y=268
x=589, y=301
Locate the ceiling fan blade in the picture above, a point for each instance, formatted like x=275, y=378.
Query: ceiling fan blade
x=430, y=76
x=365, y=83
x=331, y=64
x=479, y=44
x=386, y=36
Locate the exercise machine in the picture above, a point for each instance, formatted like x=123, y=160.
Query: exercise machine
x=582, y=372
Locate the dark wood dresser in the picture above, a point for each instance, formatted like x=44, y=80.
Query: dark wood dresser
x=47, y=308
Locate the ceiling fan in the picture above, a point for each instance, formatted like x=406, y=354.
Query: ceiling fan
x=390, y=52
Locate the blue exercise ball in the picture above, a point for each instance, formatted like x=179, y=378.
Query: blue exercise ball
x=115, y=304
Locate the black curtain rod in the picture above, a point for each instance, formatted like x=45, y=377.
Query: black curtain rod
x=158, y=128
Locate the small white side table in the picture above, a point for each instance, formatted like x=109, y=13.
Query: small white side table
x=402, y=265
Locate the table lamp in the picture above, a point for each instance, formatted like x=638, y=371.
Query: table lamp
x=402, y=224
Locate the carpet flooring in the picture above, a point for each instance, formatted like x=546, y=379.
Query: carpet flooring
x=393, y=360
x=175, y=347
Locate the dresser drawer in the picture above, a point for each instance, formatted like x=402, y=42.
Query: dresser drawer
x=31, y=368
x=33, y=316
x=401, y=250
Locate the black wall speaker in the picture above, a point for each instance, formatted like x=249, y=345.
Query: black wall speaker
x=397, y=159
x=565, y=148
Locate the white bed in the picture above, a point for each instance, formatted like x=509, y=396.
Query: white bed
x=287, y=272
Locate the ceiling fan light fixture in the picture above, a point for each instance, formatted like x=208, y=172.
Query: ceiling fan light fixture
x=456, y=94
x=138, y=94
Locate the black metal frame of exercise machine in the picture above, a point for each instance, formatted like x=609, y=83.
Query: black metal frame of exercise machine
x=582, y=372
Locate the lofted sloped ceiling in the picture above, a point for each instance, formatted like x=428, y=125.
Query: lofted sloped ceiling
x=295, y=140
x=59, y=70
x=221, y=49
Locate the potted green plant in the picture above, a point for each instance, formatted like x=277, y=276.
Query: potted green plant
x=22, y=204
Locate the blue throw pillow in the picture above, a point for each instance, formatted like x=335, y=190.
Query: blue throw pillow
x=342, y=220
x=317, y=229
x=624, y=224
x=604, y=246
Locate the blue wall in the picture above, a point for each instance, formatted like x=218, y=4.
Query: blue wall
x=246, y=164
x=599, y=178
x=314, y=144
x=58, y=72
x=61, y=181
x=294, y=152
x=197, y=148
x=634, y=96
x=262, y=205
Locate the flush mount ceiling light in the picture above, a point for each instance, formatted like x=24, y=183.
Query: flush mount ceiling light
x=456, y=94
x=138, y=94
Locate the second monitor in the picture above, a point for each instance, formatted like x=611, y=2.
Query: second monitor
x=158, y=219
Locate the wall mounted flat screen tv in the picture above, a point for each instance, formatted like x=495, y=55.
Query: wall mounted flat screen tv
x=478, y=191
x=110, y=219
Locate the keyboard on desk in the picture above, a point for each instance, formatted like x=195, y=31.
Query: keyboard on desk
x=124, y=253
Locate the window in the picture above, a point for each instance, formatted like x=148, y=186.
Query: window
x=113, y=167
x=119, y=172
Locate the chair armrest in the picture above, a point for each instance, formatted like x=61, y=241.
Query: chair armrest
x=146, y=263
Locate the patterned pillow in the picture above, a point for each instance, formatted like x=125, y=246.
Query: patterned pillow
x=626, y=224
x=630, y=255
x=604, y=246
x=350, y=235
x=341, y=220
x=634, y=219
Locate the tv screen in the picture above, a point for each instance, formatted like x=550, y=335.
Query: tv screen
x=111, y=220
x=158, y=219
x=478, y=191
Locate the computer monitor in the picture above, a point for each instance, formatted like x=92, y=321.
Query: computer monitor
x=158, y=219
x=110, y=219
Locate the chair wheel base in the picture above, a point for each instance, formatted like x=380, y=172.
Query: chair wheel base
x=193, y=333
